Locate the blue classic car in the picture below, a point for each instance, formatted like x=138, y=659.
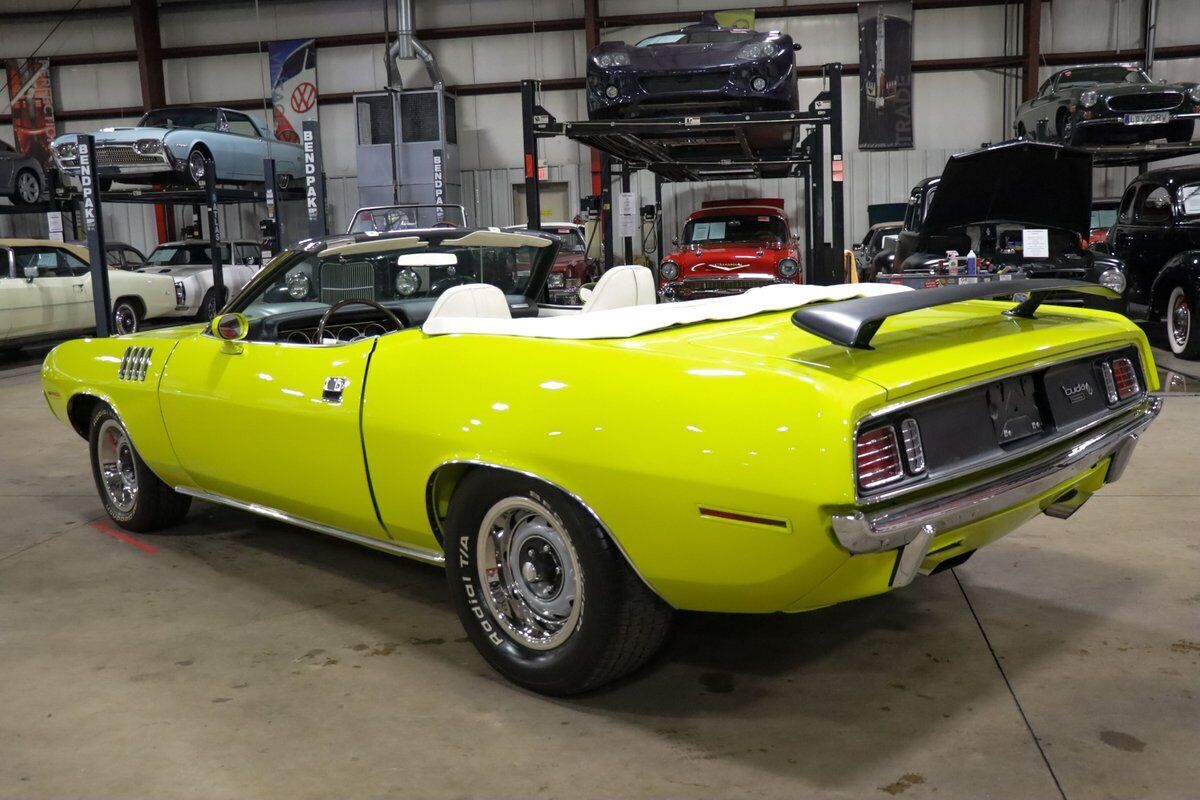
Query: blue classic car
x=170, y=145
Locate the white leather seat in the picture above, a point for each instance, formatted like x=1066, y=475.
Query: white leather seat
x=471, y=300
x=621, y=287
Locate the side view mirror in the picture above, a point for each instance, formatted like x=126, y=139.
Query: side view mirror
x=675, y=241
x=796, y=46
x=230, y=327
x=31, y=273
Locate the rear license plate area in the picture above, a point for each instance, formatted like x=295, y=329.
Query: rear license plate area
x=1150, y=118
x=1013, y=407
x=1074, y=393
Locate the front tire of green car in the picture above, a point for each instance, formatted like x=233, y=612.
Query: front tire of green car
x=542, y=591
x=133, y=496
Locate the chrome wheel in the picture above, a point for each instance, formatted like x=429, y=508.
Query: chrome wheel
x=1179, y=320
x=196, y=166
x=28, y=187
x=529, y=572
x=125, y=319
x=114, y=454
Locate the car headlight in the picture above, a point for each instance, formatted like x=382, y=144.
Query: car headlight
x=669, y=270
x=66, y=150
x=756, y=50
x=788, y=267
x=1194, y=94
x=407, y=282
x=1088, y=98
x=557, y=280
x=298, y=285
x=1113, y=279
x=617, y=59
x=147, y=147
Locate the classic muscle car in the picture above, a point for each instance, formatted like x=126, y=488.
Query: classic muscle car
x=730, y=246
x=571, y=269
x=189, y=264
x=986, y=200
x=571, y=522
x=22, y=179
x=700, y=67
x=46, y=293
x=170, y=146
x=1157, y=234
x=1109, y=104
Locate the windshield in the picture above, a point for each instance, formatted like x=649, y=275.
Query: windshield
x=735, y=228
x=399, y=268
x=1093, y=75
x=399, y=218
x=175, y=255
x=204, y=119
x=699, y=36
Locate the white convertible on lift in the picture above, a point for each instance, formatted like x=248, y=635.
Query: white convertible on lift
x=46, y=293
x=189, y=264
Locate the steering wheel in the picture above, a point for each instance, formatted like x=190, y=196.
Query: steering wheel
x=333, y=309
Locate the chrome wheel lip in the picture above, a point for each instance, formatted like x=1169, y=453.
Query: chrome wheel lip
x=536, y=597
x=27, y=187
x=118, y=470
x=1180, y=321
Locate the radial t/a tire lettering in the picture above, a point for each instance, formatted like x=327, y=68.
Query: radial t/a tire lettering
x=543, y=593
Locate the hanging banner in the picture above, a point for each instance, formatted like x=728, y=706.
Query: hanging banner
x=885, y=75
x=32, y=107
x=293, y=86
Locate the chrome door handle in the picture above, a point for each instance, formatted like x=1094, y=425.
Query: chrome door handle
x=332, y=393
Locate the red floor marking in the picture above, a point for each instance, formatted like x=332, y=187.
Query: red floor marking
x=121, y=536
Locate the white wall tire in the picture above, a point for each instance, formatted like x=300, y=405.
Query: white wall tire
x=1181, y=322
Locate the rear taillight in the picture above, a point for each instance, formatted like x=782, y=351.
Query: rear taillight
x=1125, y=377
x=877, y=457
x=914, y=451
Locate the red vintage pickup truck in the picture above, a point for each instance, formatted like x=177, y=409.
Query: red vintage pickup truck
x=730, y=246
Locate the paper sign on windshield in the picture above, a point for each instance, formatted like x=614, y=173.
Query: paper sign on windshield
x=1036, y=243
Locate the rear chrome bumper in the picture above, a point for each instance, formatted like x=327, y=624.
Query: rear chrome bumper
x=913, y=525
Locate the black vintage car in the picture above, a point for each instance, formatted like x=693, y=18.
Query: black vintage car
x=987, y=200
x=1109, y=104
x=700, y=67
x=1157, y=234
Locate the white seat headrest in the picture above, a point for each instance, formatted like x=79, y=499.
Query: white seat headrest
x=621, y=287
x=479, y=300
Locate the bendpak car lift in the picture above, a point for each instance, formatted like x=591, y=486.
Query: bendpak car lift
x=708, y=147
x=90, y=200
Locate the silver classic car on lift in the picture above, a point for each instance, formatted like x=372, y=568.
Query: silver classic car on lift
x=171, y=145
x=1109, y=104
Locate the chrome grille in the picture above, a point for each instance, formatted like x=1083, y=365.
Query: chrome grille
x=119, y=155
x=727, y=285
x=354, y=280
x=1149, y=101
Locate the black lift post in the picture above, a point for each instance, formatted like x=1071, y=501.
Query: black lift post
x=93, y=227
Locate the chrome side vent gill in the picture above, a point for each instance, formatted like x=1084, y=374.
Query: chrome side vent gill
x=135, y=363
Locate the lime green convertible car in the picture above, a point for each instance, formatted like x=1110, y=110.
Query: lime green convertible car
x=580, y=473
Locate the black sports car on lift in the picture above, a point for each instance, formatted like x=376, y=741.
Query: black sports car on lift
x=985, y=200
x=703, y=66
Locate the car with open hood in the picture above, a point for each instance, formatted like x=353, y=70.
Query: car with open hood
x=1109, y=104
x=173, y=146
x=729, y=246
x=703, y=67
x=345, y=392
x=1023, y=207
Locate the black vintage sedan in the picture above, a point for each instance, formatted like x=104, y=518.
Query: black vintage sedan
x=701, y=67
x=1157, y=233
x=1023, y=207
x=1109, y=104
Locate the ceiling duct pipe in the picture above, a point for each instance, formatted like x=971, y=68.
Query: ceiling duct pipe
x=407, y=46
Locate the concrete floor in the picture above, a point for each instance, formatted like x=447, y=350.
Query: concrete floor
x=237, y=658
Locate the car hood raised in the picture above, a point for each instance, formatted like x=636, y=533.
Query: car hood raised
x=1024, y=182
